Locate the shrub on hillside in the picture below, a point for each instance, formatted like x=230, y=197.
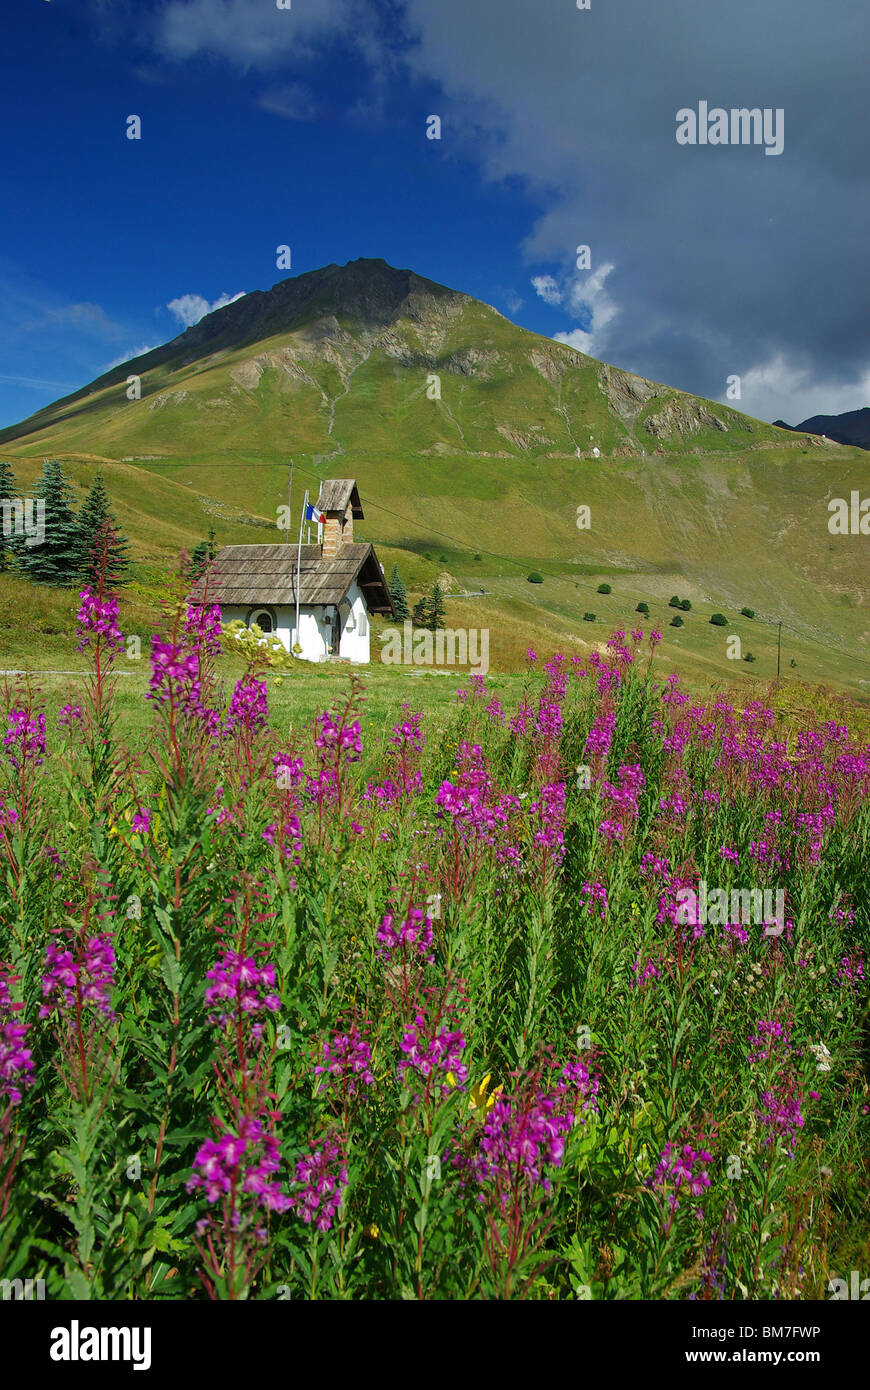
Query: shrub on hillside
x=675, y=601
x=642, y=608
x=749, y=657
x=589, y=617
x=677, y=622
x=748, y=612
x=686, y=606
x=535, y=578
x=604, y=589
x=719, y=620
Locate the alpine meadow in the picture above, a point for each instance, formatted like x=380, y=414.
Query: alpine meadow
x=434, y=753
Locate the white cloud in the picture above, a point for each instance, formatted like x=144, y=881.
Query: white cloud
x=586, y=297
x=81, y=318
x=779, y=390
x=547, y=289
x=293, y=101
x=36, y=382
x=128, y=356
x=583, y=342
x=248, y=32
x=190, y=308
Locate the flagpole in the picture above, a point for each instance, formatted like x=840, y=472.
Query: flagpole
x=299, y=565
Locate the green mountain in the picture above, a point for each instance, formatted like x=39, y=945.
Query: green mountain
x=468, y=436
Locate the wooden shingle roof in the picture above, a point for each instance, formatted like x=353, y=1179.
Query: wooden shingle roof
x=335, y=493
x=254, y=574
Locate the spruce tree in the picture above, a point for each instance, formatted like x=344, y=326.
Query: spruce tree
x=198, y=561
x=399, y=595
x=420, y=616
x=437, y=610
x=8, y=538
x=108, y=560
x=56, y=560
x=98, y=528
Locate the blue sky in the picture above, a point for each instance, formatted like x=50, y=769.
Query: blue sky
x=307, y=126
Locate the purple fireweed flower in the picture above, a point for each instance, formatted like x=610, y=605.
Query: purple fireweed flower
x=249, y=708
x=679, y=1173
x=51, y=854
x=408, y=734
x=769, y=1040
x=141, y=822
x=643, y=972
x=322, y=1175
x=288, y=838
x=611, y=830
x=652, y=866
x=740, y=934
x=432, y=1054
x=69, y=715
x=237, y=1163
x=175, y=671
x=600, y=736
x=522, y=719
x=346, y=1056
x=780, y=1113
x=594, y=899
x=25, y=739
x=331, y=736
x=289, y=771
x=531, y=656
x=524, y=1133
x=241, y=984
x=414, y=934
x=89, y=979
x=16, y=1062
x=851, y=969
x=202, y=627
x=548, y=814
x=98, y=618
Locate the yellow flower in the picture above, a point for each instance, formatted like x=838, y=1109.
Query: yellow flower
x=477, y=1097
x=372, y=1230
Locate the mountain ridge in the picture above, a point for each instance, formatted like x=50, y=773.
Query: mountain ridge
x=474, y=443
x=852, y=427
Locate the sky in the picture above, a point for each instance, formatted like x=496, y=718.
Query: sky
x=307, y=126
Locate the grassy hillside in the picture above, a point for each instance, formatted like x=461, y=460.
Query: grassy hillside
x=336, y=369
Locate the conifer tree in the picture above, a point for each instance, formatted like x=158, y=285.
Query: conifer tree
x=420, y=616
x=203, y=553
x=399, y=594
x=109, y=557
x=198, y=560
x=56, y=559
x=8, y=538
x=437, y=611
x=97, y=526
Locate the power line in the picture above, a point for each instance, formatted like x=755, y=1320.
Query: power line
x=517, y=564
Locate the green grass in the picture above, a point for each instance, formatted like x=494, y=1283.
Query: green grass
x=729, y=517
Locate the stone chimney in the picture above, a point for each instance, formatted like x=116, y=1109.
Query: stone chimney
x=339, y=502
x=337, y=531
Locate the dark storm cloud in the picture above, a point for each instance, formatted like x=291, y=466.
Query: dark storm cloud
x=724, y=259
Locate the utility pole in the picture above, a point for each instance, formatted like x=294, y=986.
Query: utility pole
x=778, y=648
x=289, y=512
